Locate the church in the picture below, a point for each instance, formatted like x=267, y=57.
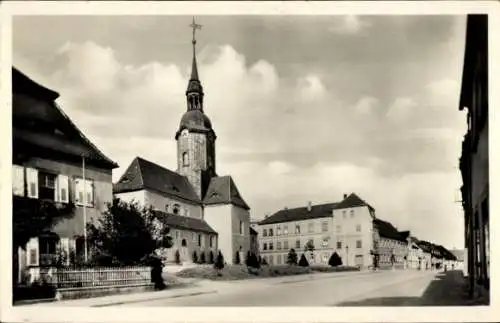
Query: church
x=205, y=212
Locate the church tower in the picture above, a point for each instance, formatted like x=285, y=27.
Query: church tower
x=195, y=136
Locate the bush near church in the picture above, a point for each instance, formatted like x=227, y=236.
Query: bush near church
x=237, y=259
x=292, y=257
x=177, y=257
x=335, y=260
x=195, y=257
x=202, y=258
x=303, y=261
x=219, y=262
x=211, y=258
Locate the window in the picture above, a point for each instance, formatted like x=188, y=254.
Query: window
x=264, y=246
x=285, y=229
x=339, y=228
x=358, y=244
x=358, y=228
x=324, y=226
x=343, y=214
x=185, y=159
x=166, y=208
x=270, y=232
x=84, y=194
x=264, y=232
x=193, y=237
x=18, y=180
x=310, y=227
x=297, y=229
x=278, y=245
x=278, y=230
x=352, y=213
x=184, y=243
x=285, y=244
x=177, y=234
x=297, y=244
x=200, y=240
x=241, y=227
x=176, y=209
x=46, y=186
x=211, y=241
x=32, y=181
x=271, y=246
x=271, y=259
x=339, y=244
x=325, y=242
x=278, y=259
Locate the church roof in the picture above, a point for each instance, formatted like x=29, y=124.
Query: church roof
x=185, y=222
x=223, y=190
x=145, y=175
x=301, y=213
x=40, y=126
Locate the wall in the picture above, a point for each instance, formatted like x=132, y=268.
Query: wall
x=160, y=201
x=219, y=217
x=195, y=145
x=240, y=240
x=186, y=253
x=349, y=236
x=321, y=254
x=103, y=192
x=136, y=196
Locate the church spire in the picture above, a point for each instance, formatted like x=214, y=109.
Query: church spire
x=195, y=90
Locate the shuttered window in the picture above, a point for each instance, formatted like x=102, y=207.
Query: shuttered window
x=32, y=180
x=18, y=180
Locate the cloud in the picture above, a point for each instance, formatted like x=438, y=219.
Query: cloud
x=311, y=88
x=350, y=25
x=366, y=105
x=401, y=109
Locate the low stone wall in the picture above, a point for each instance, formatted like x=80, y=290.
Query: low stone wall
x=88, y=292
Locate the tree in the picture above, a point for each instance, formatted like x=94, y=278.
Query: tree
x=303, y=261
x=202, y=258
x=247, y=258
x=211, y=257
x=335, y=260
x=219, y=262
x=195, y=257
x=177, y=257
x=264, y=261
x=292, y=257
x=252, y=260
x=237, y=259
x=128, y=234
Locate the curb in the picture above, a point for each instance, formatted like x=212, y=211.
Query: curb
x=155, y=298
x=34, y=301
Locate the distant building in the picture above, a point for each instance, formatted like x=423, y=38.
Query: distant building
x=49, y=154
x=206, y=211
x=474, y=162
x=390, y=245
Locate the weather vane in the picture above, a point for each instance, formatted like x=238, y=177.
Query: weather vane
x=195, y=26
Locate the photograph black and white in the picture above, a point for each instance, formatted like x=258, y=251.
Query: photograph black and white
x=250, y=160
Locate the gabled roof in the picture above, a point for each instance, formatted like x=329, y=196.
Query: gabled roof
x=223, y=190
x=185, y=222
x=301, y=213
x=142, y=174
x=39, y=125
x=353, y=201
x=387, y=230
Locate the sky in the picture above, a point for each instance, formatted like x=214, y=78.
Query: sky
x=305, y=108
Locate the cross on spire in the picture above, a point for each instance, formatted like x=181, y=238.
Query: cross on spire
x=195, y=26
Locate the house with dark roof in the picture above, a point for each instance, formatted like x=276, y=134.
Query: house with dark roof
x=54, y=162
x=206, y=211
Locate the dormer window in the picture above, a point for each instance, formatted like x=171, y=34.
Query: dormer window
x=176, y=209
x=185, y=159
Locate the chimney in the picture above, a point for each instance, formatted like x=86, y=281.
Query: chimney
x=345, y=196
x=309, y=206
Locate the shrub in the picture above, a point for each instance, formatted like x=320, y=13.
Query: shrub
x=211, y=257
x=195, y=257
x=292, y=257
x=247, y=258
x=303, y=261
x=264, y=261
x=219, y=262
x=177, y=257
x=252, y=260
x=335, y=260
x=202, y=258
x=237, y=259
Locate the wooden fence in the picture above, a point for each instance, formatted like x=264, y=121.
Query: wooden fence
x=96, y=277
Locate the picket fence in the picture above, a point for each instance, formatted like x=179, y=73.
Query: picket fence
x=96, y=276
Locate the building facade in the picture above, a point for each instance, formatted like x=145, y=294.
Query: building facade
x=474, y=161
x=54, y=163
x=211, y=205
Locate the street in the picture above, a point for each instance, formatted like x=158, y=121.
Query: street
x=385, y=288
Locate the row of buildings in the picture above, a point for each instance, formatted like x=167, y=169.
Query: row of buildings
x=351, y=229
x=55, y=163
x=474, y=161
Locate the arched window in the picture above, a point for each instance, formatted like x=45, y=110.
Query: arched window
x=183, y=243
x=185, y=159
x=176, y=209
